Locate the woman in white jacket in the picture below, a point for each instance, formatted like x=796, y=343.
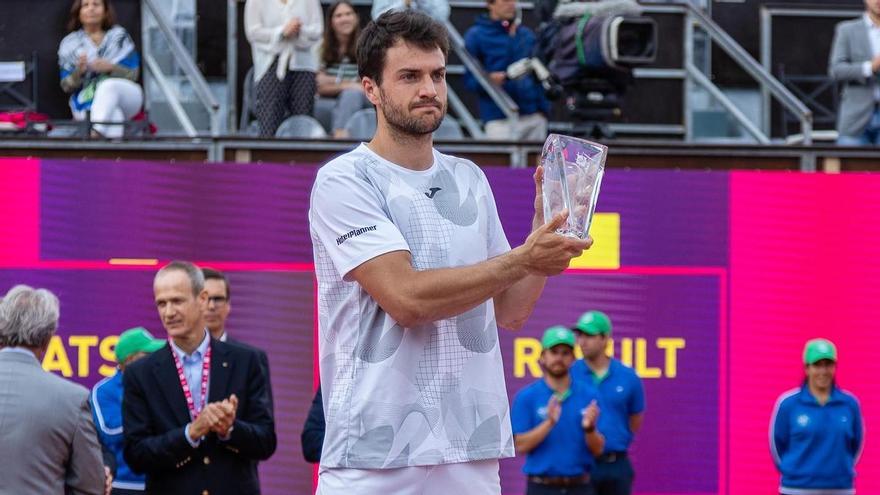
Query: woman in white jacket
x=283, y=34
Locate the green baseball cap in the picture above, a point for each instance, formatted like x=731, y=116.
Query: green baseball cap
x=819, y=349
x=136, y=340
x=556, y=335
x=593, y=323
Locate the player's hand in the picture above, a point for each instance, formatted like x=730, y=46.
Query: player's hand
x=498, y=78
x=548, y=253
x=554, y=410
x=590, y=416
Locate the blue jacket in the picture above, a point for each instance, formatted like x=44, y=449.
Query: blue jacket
x=489, y=42
x=815, y=446
x=106, y=400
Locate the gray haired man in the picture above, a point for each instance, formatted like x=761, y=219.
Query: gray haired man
x=48, y=442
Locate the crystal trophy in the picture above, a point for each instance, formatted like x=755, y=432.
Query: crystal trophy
x=573, y=170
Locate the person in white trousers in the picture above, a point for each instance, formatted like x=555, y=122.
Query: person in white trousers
x=99, y=68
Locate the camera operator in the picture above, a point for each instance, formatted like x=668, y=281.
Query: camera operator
x=497, y=41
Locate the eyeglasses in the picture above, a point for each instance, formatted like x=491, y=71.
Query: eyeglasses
x=217, y=300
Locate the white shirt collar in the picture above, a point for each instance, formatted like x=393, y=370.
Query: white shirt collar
x=203, y=346
x=223, y=337
x=869, y=21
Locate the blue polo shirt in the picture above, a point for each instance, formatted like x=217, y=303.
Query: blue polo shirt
x=621, y=395
x=564, y=451
x=816, y=446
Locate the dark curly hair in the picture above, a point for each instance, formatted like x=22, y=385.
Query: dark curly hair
x=381, y=34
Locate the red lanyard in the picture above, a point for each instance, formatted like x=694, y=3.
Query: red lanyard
x=206, y=368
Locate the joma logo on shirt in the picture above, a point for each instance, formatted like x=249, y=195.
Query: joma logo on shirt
x=354, y=233
x=432, y=192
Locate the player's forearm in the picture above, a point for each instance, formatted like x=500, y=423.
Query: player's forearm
x=433, y=295
x=528, y=441
x=514, y=305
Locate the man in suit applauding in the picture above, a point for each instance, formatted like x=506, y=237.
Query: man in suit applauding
x=196, y=413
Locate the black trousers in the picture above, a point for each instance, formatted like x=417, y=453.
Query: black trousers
x=613, y=478
x=533, y=488
x=277, y=100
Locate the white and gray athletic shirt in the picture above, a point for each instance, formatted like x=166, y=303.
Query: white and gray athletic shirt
x=393, y=396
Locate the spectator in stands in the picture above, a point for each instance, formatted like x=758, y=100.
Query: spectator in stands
x=283, y=35
x=855, y=62
x=338, y=76
x=47, y=442
x=438, y=9
x=496, y=41
x=106, y=401
x=817, y=431
x=99, y=68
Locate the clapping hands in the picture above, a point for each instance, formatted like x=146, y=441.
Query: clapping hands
x=217, y=417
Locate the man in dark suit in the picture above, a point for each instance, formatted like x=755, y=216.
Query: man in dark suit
x=196, y=413
x=219, y=303
x=218, y=309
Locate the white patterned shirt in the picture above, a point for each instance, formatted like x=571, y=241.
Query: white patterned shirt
x=393, y=396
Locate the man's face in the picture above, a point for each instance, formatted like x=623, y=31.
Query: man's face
x=873, y=7
x=592, y=346
x=504, y=10
x=218, y=305
x=412, y=96
x=557, y=360
x=180, y=311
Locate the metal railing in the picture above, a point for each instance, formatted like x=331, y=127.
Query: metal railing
x=767, y=14
x=231, y=65
x=695, y=17
x=190, y=71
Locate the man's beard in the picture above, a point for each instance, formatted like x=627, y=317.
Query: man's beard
x=556, y=373
x=403, y=123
